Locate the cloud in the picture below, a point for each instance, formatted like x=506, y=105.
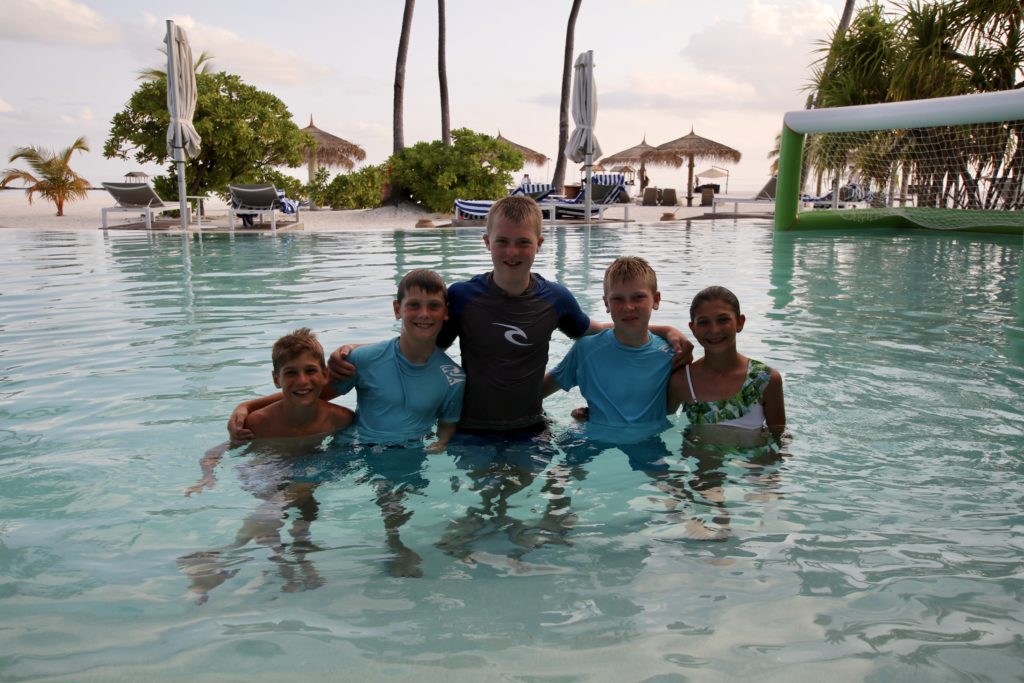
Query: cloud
x=769, y=48
x=5, y=108
x=56, y=22
x=256, y=62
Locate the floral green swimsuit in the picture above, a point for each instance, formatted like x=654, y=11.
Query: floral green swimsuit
x=742, y=410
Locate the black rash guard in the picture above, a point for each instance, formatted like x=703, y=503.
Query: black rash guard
x=504, y=341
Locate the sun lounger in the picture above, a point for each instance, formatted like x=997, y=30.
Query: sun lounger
x=650, y=196
x=607, y=187
x=136, y=198
x=249, y=200
x=668, y=197
x=476, y=209
x=765, y=196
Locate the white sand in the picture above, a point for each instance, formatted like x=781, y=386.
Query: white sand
x=15, y=212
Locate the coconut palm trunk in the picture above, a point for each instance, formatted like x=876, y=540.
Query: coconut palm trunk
x=442, y=75
x=403, y=53
x=563, y=111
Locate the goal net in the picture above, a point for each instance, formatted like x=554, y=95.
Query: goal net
x=949, y=163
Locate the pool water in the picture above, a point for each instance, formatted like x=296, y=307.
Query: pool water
x=886, y=544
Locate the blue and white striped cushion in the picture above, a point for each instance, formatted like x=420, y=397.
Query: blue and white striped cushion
x=472, y=209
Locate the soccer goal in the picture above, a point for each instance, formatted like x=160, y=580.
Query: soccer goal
x=949, y=163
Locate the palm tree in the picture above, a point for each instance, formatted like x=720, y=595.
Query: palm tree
x=51, y=175
x=403, y=52
x=201, y=66
x=442, y=76
x=563, y=111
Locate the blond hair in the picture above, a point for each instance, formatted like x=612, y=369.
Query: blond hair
x=630, y=268
x=291, y=346
x=516, y=208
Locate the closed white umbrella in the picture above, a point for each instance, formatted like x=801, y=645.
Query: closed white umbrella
x=583, y=146
x=182, y=137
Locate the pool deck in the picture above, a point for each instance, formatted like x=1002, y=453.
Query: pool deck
x=15, y=212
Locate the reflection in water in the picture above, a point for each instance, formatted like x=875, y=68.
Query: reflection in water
x=283, y=475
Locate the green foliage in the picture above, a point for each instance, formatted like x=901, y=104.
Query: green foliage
x=51, y=175
x=316, y=190
x=292, y=186
x=244, y=130
x=474, y=166
x=362, y=189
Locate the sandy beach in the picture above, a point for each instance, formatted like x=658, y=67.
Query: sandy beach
x=15, y=212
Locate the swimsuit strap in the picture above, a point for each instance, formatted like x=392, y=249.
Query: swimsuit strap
x=693, y=394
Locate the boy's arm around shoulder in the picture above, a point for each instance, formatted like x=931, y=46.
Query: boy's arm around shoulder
x=775, y=405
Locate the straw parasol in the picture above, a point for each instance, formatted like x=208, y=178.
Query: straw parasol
x=330, y=150
x=688, y=148
x=633, y=155
x=529, y=156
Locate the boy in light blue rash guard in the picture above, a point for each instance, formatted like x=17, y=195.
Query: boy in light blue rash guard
x=623, y=372
x=398, y=400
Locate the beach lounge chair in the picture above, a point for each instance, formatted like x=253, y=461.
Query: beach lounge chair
x=650, y=196
x=668, y=197
x=607, y=188
x=250, y=200
x=136, y=198
x=766, y=195
x=476, y=209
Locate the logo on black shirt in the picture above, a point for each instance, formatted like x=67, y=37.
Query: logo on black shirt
x=514, y=335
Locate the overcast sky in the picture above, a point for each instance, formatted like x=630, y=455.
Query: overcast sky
x=730, y=69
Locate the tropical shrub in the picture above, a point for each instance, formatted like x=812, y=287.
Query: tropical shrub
x=474, y=166
x=361, y=189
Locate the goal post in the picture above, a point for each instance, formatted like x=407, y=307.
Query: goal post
x=953, y=163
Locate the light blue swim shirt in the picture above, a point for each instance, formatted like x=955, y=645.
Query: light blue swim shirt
x=625, y=386
x=398, y=401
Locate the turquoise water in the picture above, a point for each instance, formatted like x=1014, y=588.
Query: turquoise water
x=887, y=545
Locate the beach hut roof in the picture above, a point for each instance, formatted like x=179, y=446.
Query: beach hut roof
x=529, y=156
x=332, y=150
x=633, y=155
x=691, y=146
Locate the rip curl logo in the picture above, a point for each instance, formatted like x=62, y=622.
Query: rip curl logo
x=454, y=374
x=514, y=335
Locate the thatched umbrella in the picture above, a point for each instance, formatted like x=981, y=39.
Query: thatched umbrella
x=529, y=156
x=688, y=148
x=330, y=150
x=633, y=155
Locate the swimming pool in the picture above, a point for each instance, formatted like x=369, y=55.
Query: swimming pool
x=886, y=546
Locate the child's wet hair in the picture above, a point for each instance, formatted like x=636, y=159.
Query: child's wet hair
x=714, y=293
x=291, y=346
x=631, y=268
x=516, y=208
x=422, y=278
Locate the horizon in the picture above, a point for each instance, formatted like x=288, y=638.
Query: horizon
x=661, y=67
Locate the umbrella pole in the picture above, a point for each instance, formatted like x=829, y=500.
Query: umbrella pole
x=172, y=94
x=590, y=140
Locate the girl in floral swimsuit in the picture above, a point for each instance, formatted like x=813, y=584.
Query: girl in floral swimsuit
x=725, y=387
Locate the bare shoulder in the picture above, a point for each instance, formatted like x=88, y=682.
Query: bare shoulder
x=261, y=422
x=678, y=387
x=338, y=417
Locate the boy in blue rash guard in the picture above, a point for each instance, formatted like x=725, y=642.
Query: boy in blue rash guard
x=623, y=372
x=407, y=383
